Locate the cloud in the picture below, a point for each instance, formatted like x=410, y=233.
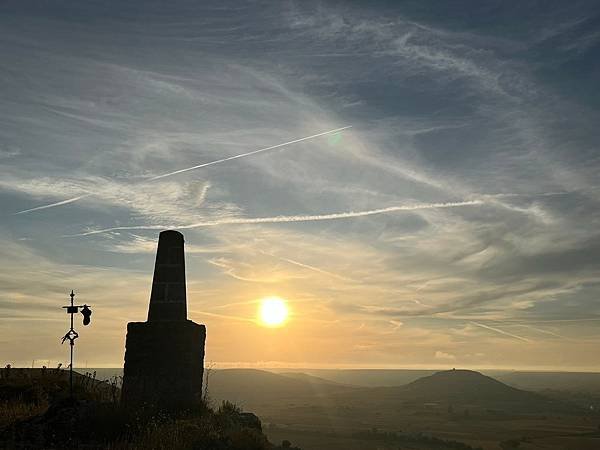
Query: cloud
x=52, y=205
x=541, y=330
x=9, y=151
x=288, y=219
x=254, y=152
x=499, y=331
x=315, y=269
x=218, y=161
x=441, y=113
x=444, y=356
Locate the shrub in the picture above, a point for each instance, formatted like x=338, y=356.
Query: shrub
x=45, y=417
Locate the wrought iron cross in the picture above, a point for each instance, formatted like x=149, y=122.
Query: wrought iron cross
x=72, y=334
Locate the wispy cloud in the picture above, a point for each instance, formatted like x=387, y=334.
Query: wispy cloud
x=288, y=219
x=9, y=151
x=254, y=152
x=313, y=268
x=499, y=331
x=52, y=205
x=223, y=316
x=384, y=214
x=543, y=331
x=218, y=161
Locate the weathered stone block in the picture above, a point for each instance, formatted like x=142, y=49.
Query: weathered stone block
x=164, y=364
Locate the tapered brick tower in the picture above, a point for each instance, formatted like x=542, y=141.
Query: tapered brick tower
x=164, y=356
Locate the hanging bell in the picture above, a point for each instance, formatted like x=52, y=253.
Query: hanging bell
x=87, y=312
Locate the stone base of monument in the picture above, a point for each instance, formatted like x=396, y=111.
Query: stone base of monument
x=163, y=364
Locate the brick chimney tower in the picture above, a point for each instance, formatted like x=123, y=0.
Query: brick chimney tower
x=164, y=356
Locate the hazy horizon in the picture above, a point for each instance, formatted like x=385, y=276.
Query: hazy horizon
x=277, y=367
x=450, y=221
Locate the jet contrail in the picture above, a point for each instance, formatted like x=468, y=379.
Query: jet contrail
x=585, y=319
x=52, y=205
x=314, y=269
x=498, y=330
x=218, y=161
x=551, y=333
x=308, y=266
x=285, y=219
x=254, y=152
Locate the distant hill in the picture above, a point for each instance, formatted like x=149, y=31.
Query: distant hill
x=312, y=379
x=506, y=390
x=370, y=377
x=465, y=388
x=254, y=387
x=560, y=381
x=462, y=388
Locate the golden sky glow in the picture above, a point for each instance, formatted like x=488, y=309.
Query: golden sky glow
x=455, y=224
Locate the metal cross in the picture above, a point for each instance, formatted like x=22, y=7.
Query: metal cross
x=72, y=334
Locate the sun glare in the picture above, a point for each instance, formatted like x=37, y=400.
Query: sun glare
x=273, y=311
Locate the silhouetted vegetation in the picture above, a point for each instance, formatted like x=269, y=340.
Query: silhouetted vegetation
x=399, y=438
x=510, y=444
x=36, y=412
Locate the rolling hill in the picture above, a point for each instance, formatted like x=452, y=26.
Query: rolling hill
x=370, y=377
x=250, y=387
x=460, y=388
x=560, y=381
x=312, y=379
x=465, y=388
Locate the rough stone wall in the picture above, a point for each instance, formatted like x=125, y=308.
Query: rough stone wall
x=163, y=364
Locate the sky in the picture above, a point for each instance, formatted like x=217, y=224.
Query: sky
x=454, y=223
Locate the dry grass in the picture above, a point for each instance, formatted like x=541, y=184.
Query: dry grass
x=97, y=420
x=16, y=409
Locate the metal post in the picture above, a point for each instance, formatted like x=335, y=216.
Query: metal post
x=72, y=334
x=71, y=343
x=71, y=371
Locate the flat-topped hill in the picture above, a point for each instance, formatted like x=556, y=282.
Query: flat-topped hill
x=463, y=387
x=466, y=385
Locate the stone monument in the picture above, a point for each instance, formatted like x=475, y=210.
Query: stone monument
x=164, y=356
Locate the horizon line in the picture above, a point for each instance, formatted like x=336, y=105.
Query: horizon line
x=274, y=366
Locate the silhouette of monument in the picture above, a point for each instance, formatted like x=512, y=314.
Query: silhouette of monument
x=164, y=356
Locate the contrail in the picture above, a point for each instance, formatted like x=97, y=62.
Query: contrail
x=314, y=269
x=585, y=319
x=498, y=330
x=551, y=333
x=52, y=205
x=243, y=155
x=285, y=219
x=308, y=266
x=211, y=163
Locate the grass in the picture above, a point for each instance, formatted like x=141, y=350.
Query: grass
x=36, y=412
x=14, y=410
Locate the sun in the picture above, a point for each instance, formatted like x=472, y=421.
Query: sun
x=273, y=311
